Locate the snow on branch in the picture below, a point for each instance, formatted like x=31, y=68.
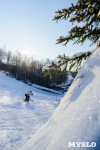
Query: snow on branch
x=99, y=13
x=67, y=63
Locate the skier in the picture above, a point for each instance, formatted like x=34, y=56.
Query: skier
x=28, y=94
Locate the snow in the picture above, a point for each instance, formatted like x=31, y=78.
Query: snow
x=62, y=59
x=64, y=37
x=72, y=17
x=98, y=13
x=20, y=120
x=47, y=66
x=45, y=89
x=63, y=67
x=80, y=54
x=77, y=118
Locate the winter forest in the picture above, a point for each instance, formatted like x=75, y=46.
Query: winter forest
x=29, y=70
x=50, y=104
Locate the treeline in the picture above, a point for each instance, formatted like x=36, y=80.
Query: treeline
x=28, y=70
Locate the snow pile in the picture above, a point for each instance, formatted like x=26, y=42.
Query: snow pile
x=77, y=118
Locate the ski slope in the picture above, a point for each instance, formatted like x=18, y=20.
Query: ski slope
x=19, y=120
x=77, y=118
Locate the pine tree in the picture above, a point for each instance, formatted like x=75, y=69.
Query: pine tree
x=87, y=12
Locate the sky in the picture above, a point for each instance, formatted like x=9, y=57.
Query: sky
x=26, y=26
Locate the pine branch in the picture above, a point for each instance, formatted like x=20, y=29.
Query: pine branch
x=86, y=11
x=65, y=63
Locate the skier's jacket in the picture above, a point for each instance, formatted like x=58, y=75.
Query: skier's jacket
x=29, y=93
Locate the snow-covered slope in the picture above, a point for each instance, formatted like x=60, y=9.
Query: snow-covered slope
x=19, y=120
x=77, y=118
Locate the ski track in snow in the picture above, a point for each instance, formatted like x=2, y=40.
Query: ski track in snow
x=19, y=120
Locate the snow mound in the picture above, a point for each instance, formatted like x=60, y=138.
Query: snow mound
x=77, y=118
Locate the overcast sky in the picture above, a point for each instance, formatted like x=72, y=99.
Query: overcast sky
x=27, y=26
